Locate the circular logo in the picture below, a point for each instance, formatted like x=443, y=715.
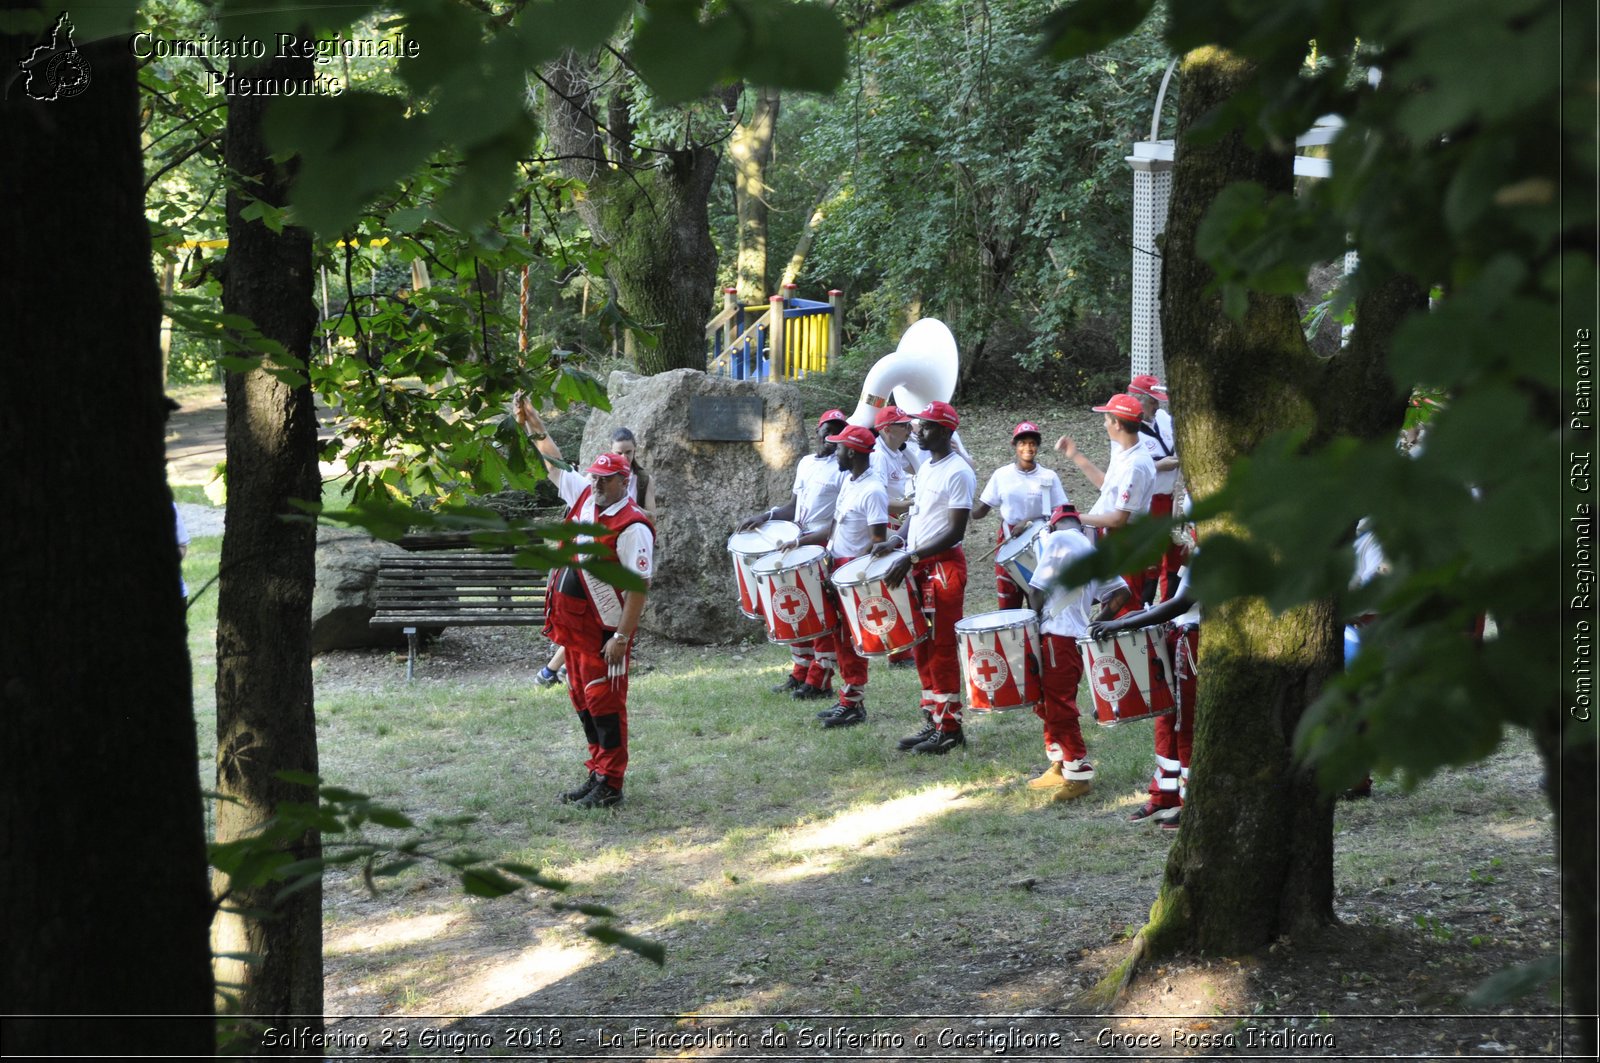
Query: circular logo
x=1111, y=678
x=790, y=604
x=987, y=670
x=877, y=615
x=68, y=75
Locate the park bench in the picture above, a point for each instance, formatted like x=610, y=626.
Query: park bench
x=438, y=588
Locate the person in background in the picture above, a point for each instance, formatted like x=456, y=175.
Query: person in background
x=1064, y=617
x=860, y=522
x=1022, y=491
x=183, y=547
x=1159, y=437
x=1174, y=731
x=817, y=479
x=642, y=491
x=1128, y=479
x=934, y=529
x=592, y=620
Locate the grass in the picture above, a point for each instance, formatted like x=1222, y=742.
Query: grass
x=788, y=869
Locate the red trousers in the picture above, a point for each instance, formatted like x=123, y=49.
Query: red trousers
x=602, y=708
x=1175, y=730
x=852, y=666
x=1062, y=670
x=1011, y=596
x=813, y=662
x=942, y=582
x=1166, y=570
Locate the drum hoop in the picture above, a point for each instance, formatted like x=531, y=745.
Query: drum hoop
x=961, y=630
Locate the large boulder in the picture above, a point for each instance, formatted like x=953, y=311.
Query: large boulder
x=347, y=569
x=703, y=486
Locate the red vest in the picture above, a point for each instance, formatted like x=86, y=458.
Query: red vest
x=588, y=621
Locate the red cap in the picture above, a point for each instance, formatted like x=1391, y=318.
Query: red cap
x=1123, y=407
x=855, y=437
x=609, y=464
x=890, y=414
x=1062, y=512
x=831, y=415
x=941, y=413
x=1026, y=428
x=1147, y=385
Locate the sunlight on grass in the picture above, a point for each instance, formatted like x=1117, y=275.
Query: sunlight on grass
x=390, y=933
x=862, y=826
x=496, y=984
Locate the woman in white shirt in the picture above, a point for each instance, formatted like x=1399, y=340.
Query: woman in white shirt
x=1022, y=491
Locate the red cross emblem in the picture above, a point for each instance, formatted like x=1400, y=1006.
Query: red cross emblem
x=988, y=670
x=791, y=604
x=1113, y=678
x=878, y=615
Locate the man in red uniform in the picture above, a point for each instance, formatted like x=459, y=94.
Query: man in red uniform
x=935, y=527
x=593, y=620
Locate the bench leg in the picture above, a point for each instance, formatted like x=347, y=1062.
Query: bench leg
x=411, y=651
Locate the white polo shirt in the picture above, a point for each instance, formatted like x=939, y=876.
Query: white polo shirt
x=894, y=467
x=1067, y=610
x=816, y=487
x=862, y=502
x=1021, y=496
x=942, y=486
x=1130, y=480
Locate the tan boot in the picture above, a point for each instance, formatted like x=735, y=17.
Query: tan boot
x=1050, y=780
x=1071, y=790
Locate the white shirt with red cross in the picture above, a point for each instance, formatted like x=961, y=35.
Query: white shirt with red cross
x=943, y=485
x=863, y=502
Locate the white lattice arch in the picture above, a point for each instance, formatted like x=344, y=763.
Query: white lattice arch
x=1151, y=163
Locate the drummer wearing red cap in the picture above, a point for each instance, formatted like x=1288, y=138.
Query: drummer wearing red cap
x=860, y=522
x=1064, y=618
x=1022, y=491
x=934, y=530
x=1128, y=479
x=817, y=480
x=592, y=620
x=893, y=461
x=1159, y=438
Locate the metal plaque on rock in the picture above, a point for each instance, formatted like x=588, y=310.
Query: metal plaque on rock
x=727, y=419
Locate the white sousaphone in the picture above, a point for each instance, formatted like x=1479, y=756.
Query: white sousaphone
x=922, y=369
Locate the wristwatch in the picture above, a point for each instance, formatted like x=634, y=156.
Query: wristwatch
x=915, y=557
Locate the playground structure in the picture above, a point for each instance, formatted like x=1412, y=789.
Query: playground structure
x=744, y=343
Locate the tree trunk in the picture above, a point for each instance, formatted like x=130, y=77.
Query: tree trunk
x=750, y=150
x=104, y=898
x=802, y=246
x=1254, y=859
x=265, y=721
x=654, y=222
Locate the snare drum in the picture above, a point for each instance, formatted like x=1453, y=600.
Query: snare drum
x=1130, y=675
x=882, y=619
x=748, y=547
x=1019, y=555
x=794, y=594
x=1000, y=660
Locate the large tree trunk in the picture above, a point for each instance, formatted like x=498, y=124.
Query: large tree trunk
x=104, y=898
x=265, y=722
x=1255, y=857
x=750, y=151
x=654, y=221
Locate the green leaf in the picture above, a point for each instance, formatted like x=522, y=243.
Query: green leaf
x=487, y=882
x=548, y=28
x=653, y=951
x=484, y=182
x=389, y=817
x=792, y=46
x=1089, y=25
x=678, y=56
